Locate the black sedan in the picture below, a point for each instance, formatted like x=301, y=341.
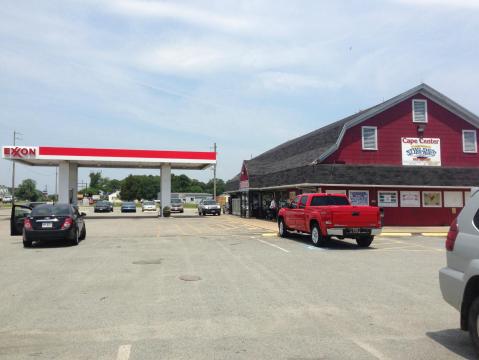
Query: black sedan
x=50, y=222
x=128, y=206
x=103, y=206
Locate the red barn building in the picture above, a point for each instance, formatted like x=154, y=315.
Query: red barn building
x=414, y=155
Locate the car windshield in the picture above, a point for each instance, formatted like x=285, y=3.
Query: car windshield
x=175, y=201
x=149, y=203
x=102, y=203
x=129, y=203
x=209, y=202
x=50, y=210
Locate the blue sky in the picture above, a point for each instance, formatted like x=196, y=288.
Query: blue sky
x=246, y=74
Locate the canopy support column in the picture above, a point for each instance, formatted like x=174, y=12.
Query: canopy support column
x=67, y=182
x=165, y=186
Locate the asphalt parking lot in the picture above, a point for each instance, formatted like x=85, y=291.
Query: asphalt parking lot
x=194, y=287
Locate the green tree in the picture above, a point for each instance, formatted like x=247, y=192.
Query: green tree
x=95, y=178
x=27, y=190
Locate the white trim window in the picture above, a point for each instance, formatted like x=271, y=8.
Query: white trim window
x=369, y=135
x=419, y=111
x=469, y=141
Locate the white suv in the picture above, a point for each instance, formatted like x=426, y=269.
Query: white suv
x=459, y=281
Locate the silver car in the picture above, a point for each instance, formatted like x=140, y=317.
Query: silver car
x=459, y=280
x=209, y=207
x=177, y=205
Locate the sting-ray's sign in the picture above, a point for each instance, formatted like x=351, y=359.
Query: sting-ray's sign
x=20, y=152
x=421, y=151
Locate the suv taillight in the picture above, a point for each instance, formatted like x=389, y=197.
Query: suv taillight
x=452, y=235
x=27, y=224
x=68, y=222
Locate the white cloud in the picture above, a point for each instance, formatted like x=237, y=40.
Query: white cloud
x=282, y=81
x=180, y=12
x=470, y=4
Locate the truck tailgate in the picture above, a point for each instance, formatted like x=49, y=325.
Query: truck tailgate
x=355, y=216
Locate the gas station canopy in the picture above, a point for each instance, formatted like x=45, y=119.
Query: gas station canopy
x=69, y=159
x=114, y=158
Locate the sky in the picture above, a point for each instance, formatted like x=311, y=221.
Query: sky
x=248, y=75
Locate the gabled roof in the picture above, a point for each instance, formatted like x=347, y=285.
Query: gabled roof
x=316, y=146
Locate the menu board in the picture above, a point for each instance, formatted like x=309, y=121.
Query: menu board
x=410, y=199
x=359, y=197
x=387, y=198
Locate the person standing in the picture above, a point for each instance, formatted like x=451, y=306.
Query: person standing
x=272, y=207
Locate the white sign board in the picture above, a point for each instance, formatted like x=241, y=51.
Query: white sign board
x=421, y=151
x=359, y=197
x=410, y=199
x=388, y=198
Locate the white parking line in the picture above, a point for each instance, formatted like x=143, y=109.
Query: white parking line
x=273, y=245
x=123, y=352
x=371, y=350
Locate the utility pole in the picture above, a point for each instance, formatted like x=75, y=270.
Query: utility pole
x=214, y=174
x=15, y=138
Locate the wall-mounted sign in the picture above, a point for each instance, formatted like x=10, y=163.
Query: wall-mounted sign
x=388, y=198
x=431, y=199
x=244, y=184
x=421, y=151
x=20, y=152
x=359, y=197
x=410, y=199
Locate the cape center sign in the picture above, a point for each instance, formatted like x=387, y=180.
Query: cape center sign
x=421, y=151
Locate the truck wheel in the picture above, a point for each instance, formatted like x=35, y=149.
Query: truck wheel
x=282, y=230
x=472, y=323
x=316, y=236
x=364, y=241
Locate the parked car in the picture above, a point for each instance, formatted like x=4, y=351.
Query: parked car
x=148, y=206
x=7, y=199
x=459, y=280
x=326, y=215
x=103, y=206
x=209, y=207
x=128, y=206
x=48, y=222
x=177, y=205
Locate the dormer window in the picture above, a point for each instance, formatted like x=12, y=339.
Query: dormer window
x=370, y=137
x=419, y=111
x=469, y=141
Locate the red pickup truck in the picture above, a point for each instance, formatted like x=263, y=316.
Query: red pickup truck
x=326, y=215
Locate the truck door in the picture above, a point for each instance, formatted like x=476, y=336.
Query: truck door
x=19, y=213
x=290, y=214
x=300, y=216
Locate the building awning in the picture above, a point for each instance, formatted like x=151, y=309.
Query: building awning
x=114, y=158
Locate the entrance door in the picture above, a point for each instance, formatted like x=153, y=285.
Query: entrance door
x=19, y=213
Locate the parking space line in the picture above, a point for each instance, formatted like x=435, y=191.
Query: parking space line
x=371, y=350
x=395, y=234
x=435, y=234
x=273, y=245
x=123, y=352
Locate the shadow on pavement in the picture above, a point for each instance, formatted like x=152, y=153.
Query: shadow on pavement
x=333, y=244
x=454, y=340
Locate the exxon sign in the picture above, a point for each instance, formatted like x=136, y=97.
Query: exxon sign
x=20, y=152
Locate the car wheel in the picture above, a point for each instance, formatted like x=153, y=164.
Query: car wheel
x=76, y=238
x=365, y=241
x=219, y=214
x=26, y=243
x=83, y=233
x=317, y=237
x=473, y=325
x=283, y=231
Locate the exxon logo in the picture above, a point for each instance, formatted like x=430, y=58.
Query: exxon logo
x=19, y=152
